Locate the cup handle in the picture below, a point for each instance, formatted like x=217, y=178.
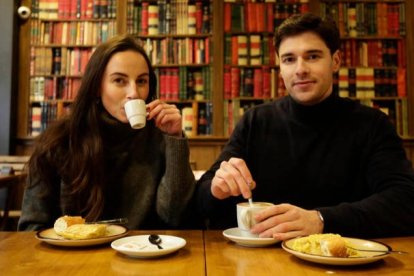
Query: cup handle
x=246, y=218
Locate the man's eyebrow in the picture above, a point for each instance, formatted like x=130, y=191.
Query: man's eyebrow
x=313, y=51
x=125, y=75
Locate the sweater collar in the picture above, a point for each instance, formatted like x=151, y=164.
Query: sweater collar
x=323, y=111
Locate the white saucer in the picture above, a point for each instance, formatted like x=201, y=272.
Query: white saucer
x=140, y=247
x=236, y=235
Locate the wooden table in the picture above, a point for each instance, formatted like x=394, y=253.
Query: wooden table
x=22, y=254
x=226, y=258
x=206, y=253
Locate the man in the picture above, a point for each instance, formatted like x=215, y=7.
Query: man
x=328, y=164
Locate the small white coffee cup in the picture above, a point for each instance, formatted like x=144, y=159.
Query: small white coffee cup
x=136, y=112
x=245, y=216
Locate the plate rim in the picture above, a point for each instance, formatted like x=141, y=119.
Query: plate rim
x=81, y=242
x=332, y=260
x=152, y=253
x=249, y=241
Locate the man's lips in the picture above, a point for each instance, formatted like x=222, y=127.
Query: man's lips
x=303, y=82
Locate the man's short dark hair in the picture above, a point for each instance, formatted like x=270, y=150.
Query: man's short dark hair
x=325, y=28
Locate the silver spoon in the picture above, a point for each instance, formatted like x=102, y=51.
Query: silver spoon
x=380, y=251
x=155, y=239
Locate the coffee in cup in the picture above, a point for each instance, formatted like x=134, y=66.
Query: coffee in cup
x=245, y=216
x=136, y=112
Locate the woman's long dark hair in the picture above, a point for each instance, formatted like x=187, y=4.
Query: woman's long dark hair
x=74, y=144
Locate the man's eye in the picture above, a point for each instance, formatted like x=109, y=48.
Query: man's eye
x=312, y=57
x=288, y=59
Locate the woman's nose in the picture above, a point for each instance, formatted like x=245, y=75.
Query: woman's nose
x=132, y=91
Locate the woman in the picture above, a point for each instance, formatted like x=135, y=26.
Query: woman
x=92, y=163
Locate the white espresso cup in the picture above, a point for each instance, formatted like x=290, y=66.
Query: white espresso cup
x=136, y=112
x=245, y=216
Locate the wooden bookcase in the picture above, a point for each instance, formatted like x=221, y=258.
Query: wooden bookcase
x=204, y=148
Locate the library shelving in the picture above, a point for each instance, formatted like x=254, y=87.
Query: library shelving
x=177, y=36
x=373, y=47
x=250, y=74
x=62, y=37
x=166, y=29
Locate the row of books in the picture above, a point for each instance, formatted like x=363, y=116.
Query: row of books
x=58, y=61
x=168, y=17
x=368, y=82
x=249, y=50
x=197, y=119
x=395, y=109
x=73, y=9
x=53, y=88
x=258, y=16
x=44, y=113
x=373, y=53
x=180, y=51
x=367, y=19
x=82, y=33
x=260, y=82
x=183, y=83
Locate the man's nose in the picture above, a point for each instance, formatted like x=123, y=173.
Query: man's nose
x=302, y=67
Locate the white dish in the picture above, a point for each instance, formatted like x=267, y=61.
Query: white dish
x=235, y=235
x=140, y=247
x=50, y=236
x=363, y=258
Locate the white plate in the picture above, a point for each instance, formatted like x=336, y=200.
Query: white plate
x=234, y=234
x=140, y=247
x=50, y=236
x=363, y=258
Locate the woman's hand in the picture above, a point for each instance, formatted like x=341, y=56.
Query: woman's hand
x=286, y=221
x=167, y=117
x=233, y=178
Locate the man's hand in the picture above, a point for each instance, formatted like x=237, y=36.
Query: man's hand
x=233, y=178
x=285, y=221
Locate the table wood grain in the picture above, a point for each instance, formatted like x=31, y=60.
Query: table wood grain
x=224, y=257
x=22, y=254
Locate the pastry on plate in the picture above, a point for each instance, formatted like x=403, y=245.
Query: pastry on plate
x=324, y=245
x=62, y=223
x=84, y=231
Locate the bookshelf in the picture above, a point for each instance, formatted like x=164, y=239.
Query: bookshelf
x=177, y=36
x=62, y=37
x=374, y=64
x=205, y=148
x=250, y=70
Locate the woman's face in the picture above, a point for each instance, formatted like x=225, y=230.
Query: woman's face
x=126, y=77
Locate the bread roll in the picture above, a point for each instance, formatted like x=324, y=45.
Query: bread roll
x=62, y=223
x=84, y=231
x=324, y=245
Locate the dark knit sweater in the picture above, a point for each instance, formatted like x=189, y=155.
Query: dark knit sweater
x=148, y=180
x=339, y=157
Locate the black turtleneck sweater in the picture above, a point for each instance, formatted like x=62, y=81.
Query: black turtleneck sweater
x=338, y=156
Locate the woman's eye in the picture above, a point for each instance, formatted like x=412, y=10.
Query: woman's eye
x=119, y=81
x=142, y=81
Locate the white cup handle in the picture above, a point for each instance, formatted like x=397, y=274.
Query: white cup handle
x=246, y=218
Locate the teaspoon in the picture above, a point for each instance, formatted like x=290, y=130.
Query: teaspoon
x=380, y=251
x=155, y=239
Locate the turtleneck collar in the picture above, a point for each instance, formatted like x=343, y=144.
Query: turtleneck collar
x=323, y=111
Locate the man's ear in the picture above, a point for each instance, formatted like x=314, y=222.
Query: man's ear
x=336, y=61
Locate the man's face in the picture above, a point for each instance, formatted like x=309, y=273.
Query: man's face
x=306, y=67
